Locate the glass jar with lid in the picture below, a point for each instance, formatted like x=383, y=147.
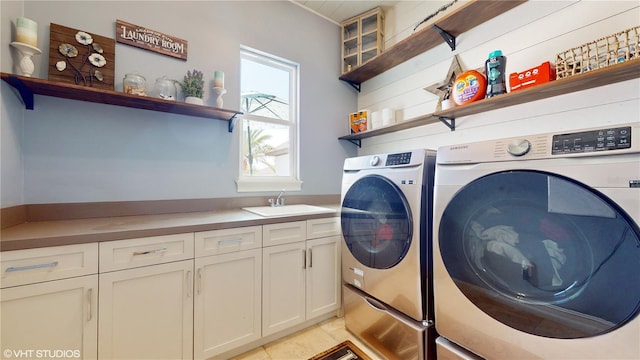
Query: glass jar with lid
x=134, y=84
x=165, y=88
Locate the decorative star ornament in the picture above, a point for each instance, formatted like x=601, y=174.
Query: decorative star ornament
x=443, y=88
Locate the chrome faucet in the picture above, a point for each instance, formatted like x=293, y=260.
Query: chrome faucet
x=277, y=201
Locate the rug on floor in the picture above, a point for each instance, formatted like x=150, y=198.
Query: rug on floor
x=344, y=351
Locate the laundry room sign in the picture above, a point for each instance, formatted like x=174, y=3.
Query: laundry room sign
x=151, y=40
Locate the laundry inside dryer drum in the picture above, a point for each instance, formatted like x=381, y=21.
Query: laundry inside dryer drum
x=562, y=269
x=376, y=222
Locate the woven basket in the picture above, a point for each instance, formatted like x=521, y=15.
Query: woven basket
x=601, y=53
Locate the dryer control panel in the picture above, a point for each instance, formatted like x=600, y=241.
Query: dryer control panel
x=398, y=159
x=593, y=140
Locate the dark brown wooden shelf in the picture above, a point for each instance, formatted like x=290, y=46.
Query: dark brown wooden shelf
x=28, y=86
x=592, y=79
x=465, y=18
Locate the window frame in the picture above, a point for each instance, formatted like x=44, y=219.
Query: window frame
x=291, y=182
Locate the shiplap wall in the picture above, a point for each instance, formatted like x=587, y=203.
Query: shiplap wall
x=528, y=35
x=405, y=16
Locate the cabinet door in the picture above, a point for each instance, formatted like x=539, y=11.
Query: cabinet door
x=283, y=287
x=55, y=319
x=227, y=302
x=323, y=276
x=147, y=312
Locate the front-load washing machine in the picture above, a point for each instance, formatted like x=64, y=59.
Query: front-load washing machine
x=537, y=245
x=386, y=249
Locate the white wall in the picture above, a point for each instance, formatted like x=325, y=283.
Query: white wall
x=73, y=151
x=528, y=35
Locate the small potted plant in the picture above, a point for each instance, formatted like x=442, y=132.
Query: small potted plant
x=193, y=87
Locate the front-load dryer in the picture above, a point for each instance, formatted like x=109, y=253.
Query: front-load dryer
x=537, y=245
x=386, y=207
x=386, y=252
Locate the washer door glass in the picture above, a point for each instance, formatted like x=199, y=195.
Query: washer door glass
x=543, y=254
x=376, y=222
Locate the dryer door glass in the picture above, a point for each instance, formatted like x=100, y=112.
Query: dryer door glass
x=543, y=254
x=376, y=222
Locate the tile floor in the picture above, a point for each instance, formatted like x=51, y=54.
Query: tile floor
x=307, y=343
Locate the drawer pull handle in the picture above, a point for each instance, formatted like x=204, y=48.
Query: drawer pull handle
x=156, y=251
x=229, y=241
x=31, y=267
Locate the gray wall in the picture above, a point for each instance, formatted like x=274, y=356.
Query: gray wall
x=72, y=151
x=11, y=115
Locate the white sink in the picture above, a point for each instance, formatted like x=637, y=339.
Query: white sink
x=287, y=210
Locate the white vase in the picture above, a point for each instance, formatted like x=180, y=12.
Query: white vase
x=193, y=100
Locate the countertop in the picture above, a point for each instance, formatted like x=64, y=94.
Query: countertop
x=66, y=232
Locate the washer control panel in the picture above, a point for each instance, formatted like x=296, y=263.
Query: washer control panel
x=594, y=140
x=398, y=159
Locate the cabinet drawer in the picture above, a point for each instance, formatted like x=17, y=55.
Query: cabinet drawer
x=228, y=240
x=318, y=228
x=284, y=233
x=29, y=266
x=131, y=253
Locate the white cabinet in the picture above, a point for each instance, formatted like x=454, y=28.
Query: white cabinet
x=323, y=267
x=181, y=296
x=301, y=278
x=45, y=318
x=283, y=287
x=318, y=228
x=322, y=276
x=146, y=310
x=284, y=233
x=228, y=299
x=224, y=241
x=131, y=253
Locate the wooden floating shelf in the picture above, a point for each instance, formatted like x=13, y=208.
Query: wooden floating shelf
x=28, y=86
x=464, y=19
x=595, y=78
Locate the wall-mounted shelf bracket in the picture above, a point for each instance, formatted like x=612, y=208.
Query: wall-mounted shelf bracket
x=232, y=122
x=450, y=39
x=356, y=142
x=354, y=85
x=451, y=123
x=25, y=94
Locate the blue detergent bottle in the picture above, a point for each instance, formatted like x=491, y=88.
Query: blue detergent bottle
x=494, y=68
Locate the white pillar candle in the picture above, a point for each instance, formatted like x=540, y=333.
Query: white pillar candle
x=388, y=116
x=218, y=79
x=27, y=31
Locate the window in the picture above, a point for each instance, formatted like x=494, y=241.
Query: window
x=269, y=137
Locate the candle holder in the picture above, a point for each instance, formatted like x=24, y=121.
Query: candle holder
x=219, y=92
x=25, y=65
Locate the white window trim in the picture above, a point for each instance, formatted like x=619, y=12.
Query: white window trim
x=275, y=183
x=263, y=183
